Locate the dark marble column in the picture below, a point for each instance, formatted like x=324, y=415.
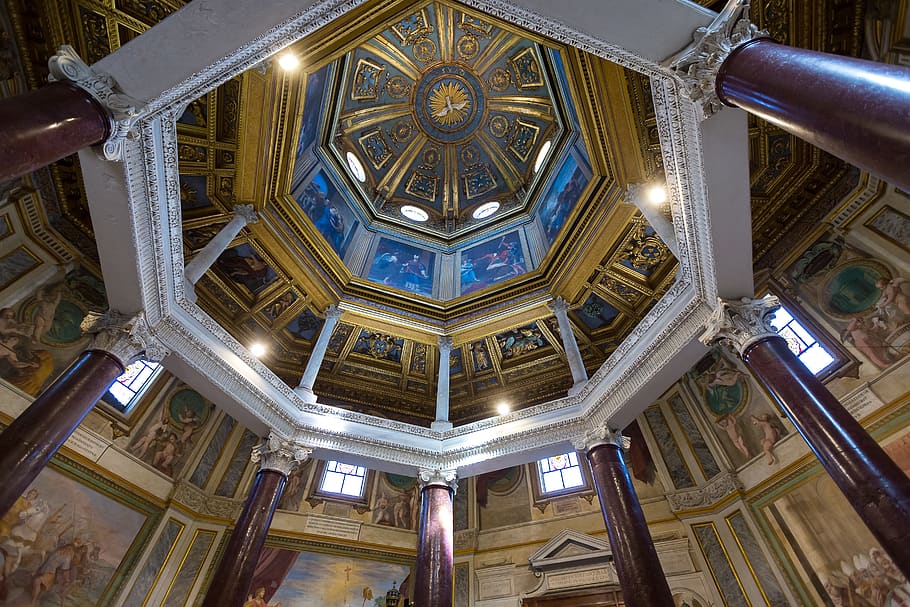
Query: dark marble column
x=32, y=439
x=852, y=108
x=46, y=125
x=230, y=583
x=433, y=584
x=874, y=485
x=638, y=568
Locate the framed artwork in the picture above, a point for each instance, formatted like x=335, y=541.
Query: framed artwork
x=892, y=225
x=16, y=264
x=72, y=538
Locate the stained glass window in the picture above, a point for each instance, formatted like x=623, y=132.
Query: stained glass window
x=801, y=342
x=130, y=386
x=344, y=479
x=560, y=472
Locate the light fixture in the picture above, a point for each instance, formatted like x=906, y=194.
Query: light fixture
x=414, y=213
x=485, y=210
x=257, y=349
x=542, y=154
x=288, y=62
x=503, y=408
x=657, y=194
x=356, y=167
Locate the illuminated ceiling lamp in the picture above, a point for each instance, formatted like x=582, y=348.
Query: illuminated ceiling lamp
x=542, y=154
x=657, y=194
x=288, y=62
x=356, y=167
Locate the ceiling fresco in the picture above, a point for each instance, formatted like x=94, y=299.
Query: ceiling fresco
x=441, y=108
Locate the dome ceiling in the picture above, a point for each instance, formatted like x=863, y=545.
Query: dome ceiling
x=447, y=116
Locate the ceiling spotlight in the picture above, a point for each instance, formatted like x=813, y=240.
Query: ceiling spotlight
x=502, y=408
x=289, y=61
x=356, y=167
x=257, y=349
x=485, y=210
x=542, y=154
x=657, y=194
x=414, y=213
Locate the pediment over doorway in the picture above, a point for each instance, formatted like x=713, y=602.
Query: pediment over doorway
x=570, y=549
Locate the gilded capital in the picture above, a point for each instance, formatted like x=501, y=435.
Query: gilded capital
x=601, y=435
x=698, y=65
x=279, y=454
x=66, y=64
x=444, y=478
x=741, y=322
x=127, y=338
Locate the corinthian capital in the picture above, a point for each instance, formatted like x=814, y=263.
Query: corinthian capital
x=742, y=322
x=246, y=212
x=601, y=435
x=446, y=343
x=127, y=338
x=333, y=312
x=559, y=306
x=698, y=64
x=67, y=65
x=443, y=478
x=279, y=454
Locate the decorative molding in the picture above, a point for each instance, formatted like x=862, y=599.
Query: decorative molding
x=717, y=489
x=67, y=65
x=202, y=503
x=602, y=435
x=428, y=477
x=279, y=454
x=127, y=338
x=698, y=64
x=742, y=322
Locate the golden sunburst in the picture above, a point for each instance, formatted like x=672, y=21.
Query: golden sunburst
x=449, y=103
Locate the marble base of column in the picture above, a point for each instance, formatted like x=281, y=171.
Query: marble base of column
x=433, y=584
x=46, y=125
x=874, y=485
x=32, y=439
x=640, y=575
x=849, y=107
x=231, y=581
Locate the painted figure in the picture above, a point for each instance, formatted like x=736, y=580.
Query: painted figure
x=770, y=435
x=728, y=423
x=258, y=600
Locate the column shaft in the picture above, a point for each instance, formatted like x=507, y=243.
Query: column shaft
x=305, y=388
x=560, y=309
x=852, y=108
x=42, y=126
x=204, y=259
x=231, y=581
x=32, y=439
x=433, y=584
x=637, y=566
x=442, y=385
x=874, y=485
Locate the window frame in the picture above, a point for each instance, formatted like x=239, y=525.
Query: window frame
x=844, y=364
x=543, y=498
x=316, y=495
x=111, y=401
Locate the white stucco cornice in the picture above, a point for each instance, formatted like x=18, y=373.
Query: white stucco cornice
x=135, y=208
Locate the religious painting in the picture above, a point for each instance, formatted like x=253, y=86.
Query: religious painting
x=41, y=336
x=379, y=346
x=833, y=554
x=279, y=306
x=315, y=579
x=245, y=267
x=396, y=502
x=492, y=262
x=503, y=497
x=744, y=421
x=312, y=109
x=327, y=209
x=403, y=266
x=293, y=493
x=561, y=197
x=521, y=340
x=171, y=429
x=864, y=298
x=62, y=544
